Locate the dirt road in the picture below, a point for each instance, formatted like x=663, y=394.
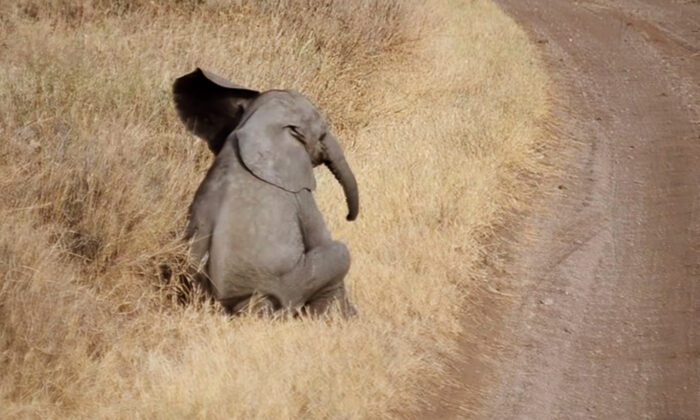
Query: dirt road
x=608, y=323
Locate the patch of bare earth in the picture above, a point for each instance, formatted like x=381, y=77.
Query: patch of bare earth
x=605, y=315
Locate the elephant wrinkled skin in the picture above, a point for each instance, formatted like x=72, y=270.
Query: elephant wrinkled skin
x=254, y=226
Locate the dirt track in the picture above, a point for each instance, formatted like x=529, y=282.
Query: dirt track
x=608, y=320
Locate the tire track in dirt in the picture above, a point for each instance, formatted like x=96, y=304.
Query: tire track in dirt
x=609, y=321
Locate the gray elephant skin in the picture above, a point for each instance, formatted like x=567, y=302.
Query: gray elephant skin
x=254, y=227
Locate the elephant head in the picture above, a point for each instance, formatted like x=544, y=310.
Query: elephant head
x=281, y=135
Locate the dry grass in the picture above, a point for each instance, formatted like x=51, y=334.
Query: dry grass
x=437, y=107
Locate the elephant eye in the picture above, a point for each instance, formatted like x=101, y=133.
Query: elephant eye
x=296, y=133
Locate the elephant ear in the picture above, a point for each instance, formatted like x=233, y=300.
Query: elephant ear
x=272, y=154
x=210, y=106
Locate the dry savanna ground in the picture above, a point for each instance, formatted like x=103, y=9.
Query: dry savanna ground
x=437, y=107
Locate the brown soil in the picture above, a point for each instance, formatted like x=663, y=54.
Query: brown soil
x=607, y=319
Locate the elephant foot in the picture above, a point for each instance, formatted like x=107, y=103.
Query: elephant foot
x=256, y=304
x=323, y=301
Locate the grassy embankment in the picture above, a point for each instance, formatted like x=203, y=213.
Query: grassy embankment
x=437, y=108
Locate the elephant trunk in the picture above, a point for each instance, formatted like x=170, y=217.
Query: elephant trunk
x=337, y=164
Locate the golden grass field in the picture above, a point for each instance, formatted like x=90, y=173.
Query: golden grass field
x=439, y=108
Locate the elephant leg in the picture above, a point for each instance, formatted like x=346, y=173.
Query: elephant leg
x=198, y=234
x=317, y=269
x=323, y=300
x=196, y=271
x=255, y=304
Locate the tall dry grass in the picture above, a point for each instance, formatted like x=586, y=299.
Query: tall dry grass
x=437, y=106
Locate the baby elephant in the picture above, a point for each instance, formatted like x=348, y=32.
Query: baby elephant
x=254, y=226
